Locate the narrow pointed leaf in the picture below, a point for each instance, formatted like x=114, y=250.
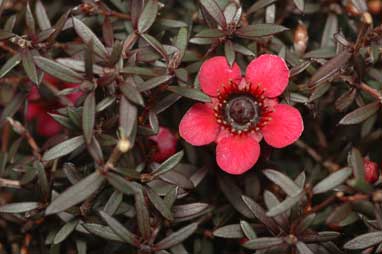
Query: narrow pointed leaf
x=176, y=237
x=58, y=70
x=63, y=148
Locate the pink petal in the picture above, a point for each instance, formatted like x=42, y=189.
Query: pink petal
x=198, y=126
x=237, y=154
x=215, y=72
x=47, y=126
x=73, y=97
x=285, y=127
x=271, y=72
x=33, y=94
x=166, y=144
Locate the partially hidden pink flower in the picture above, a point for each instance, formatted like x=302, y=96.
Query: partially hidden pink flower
x=371, y=170
x=243, y=110
x=165, y=144
x=39, y=107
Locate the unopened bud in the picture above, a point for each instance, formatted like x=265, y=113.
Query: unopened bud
x=124, y=145
x=371, y=171
x=300, y=38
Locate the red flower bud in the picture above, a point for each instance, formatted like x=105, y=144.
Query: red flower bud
x=165, y=142
x=371, y=171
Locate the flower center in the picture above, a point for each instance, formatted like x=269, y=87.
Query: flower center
x=241, y=107
x=242, y=110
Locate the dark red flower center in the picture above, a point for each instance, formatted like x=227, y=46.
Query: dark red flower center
x=241, y=107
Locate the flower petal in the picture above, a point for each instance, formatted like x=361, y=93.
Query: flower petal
x=33, y=110
x=271, y=72
x=285, y=127
x=237, y=154
x=215, y=72
x=47, y=126
x=198, y=126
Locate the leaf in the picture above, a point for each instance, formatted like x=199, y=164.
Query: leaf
x=364, y=241
x=75, y=194
x=182, y=41
x=209, y=33
x=121, y=184
x=360, y=114
x=88, y=117
x=303, y=248
x=6, y=35
x=214, y=11
x=233, y=194
x=58, y=70
x=191, y=93
x=285, y=205
x=229, y=52
x=168, y=164
x=65, y=231
x=19, y=207
x=260, y=214
x=29, y=19
x=101, y=231
x=332, y=181
x=259, y=5
x=263, y=243
x=87, y=36
x=42, y=17
x=148, y=16
x=10, y=64
x=329, y=69
x=260, y=30
x=331, y=28
x=247, y=230
x=345, y=100
x=233, y=231
x=119, y=229
x=176, y=237
x=113, y=202
x=159, y=204
x=154, y=82
x=300, y=4
x=29, y=66
x=187, y=210
x=155, y=44
x=131, y=93
x=12, y=107
x=288, y=185
x=63, y=148
x=143, y=216
x=128, y=116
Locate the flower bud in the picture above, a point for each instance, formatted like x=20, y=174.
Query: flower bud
x=300, y=38
x=371, y=170
x=165, y=142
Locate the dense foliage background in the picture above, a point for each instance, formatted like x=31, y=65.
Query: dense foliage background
x=95, y=187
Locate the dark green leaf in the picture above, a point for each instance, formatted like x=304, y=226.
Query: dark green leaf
x=76, y=193
x=154, y=82
x=63, y=148
x=260, y=30
x=300, y=4
x=143, y=216
x=210, y=33
x=176, y=237
x=191, y=93
x=364, y=241
x=283, y=181
x=10, y=64
x=87, y=36
x=229, y=52
x=88, y=117
x=119, y=229
x=159, y=204
x=263, y=243
x=285, y=205
x=65, y=231
x=42, y=17
x=12, y=107
x=259, y=5
x=148, y=16
x=131, y=93
x=360, y=114
x=19, y=207
x=214, y=11
x=332, y=181
x=230, y=231
x=168, y=164
x=29, y=66
x=58, y=70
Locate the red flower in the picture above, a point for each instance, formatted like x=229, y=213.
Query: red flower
x=39, y=107
x=165, y=142
x=371, y=170
x=243, y=111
